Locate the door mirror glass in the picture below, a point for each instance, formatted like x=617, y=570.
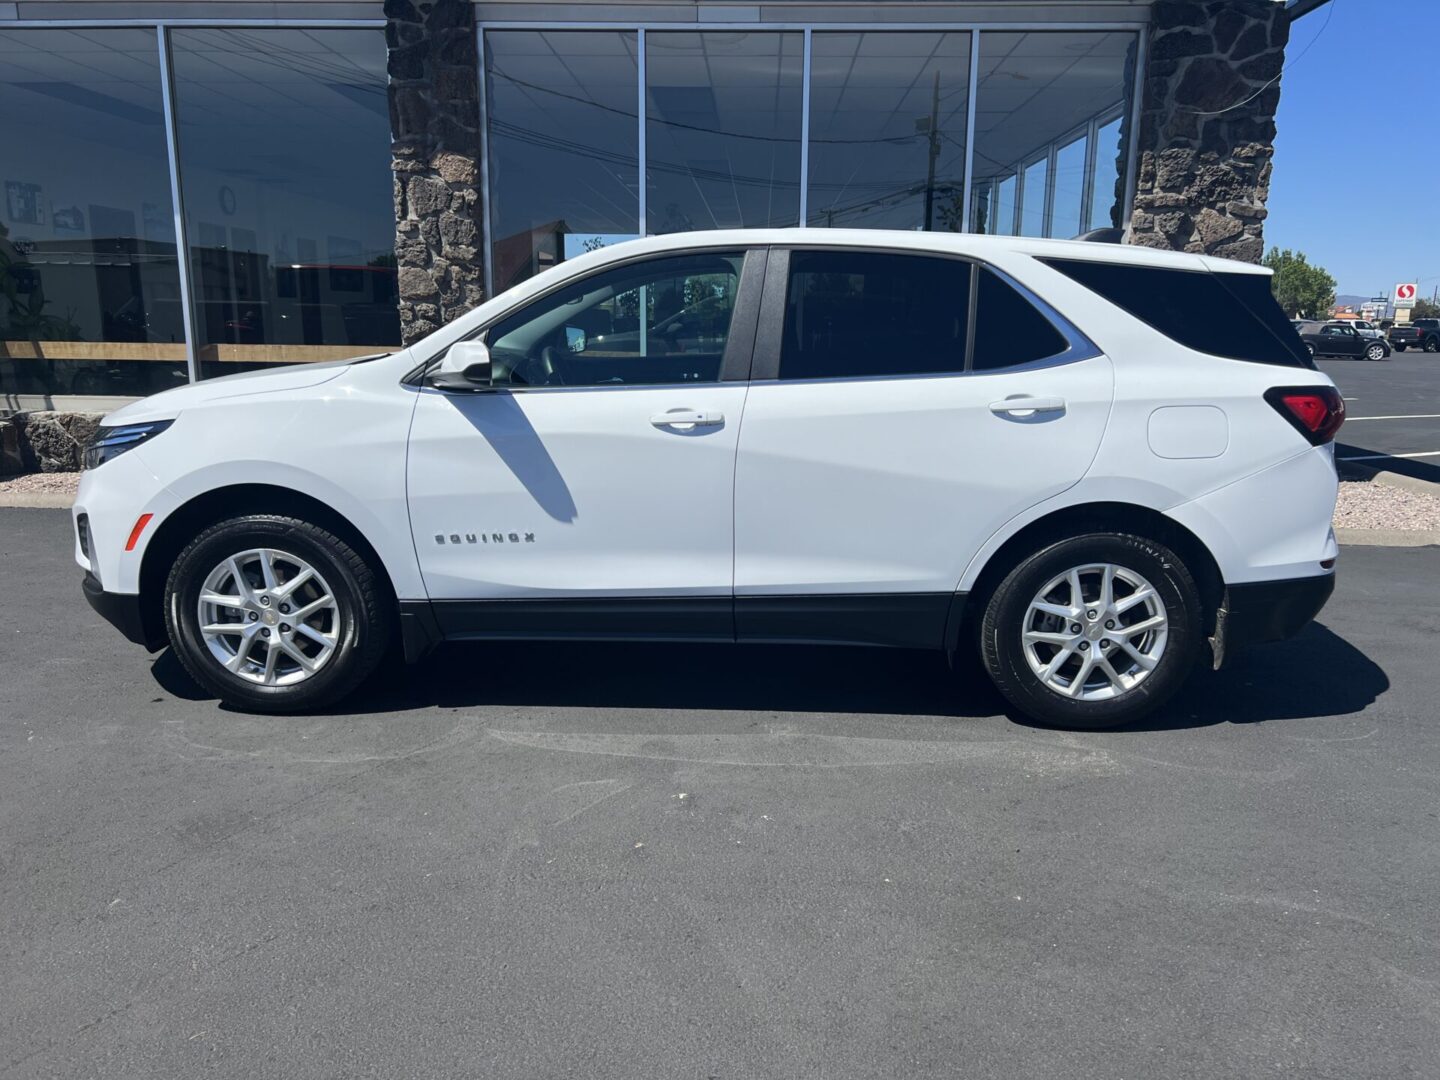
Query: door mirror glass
x=575, y=338
x=465, y=367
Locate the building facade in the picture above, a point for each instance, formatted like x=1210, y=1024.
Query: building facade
x=198, y=188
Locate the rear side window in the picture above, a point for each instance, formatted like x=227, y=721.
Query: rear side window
x=1008, y=328
x=852, y=314
x=1230, y=315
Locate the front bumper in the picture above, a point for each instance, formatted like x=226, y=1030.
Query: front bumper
x=1262, y=611
x=122, y=611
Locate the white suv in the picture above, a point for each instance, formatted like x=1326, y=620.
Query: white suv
x=1101, y=466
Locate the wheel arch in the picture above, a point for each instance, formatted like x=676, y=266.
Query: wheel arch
x=236, y=500
x=1096, y=517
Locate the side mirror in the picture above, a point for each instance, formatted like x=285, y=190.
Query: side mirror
x=465, y=367
x=575, y=338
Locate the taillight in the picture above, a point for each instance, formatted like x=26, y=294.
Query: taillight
x=1315, y=411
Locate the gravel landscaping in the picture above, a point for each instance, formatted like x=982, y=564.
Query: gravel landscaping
x=35, y=483
x=1367, y=505
x=1362, y=505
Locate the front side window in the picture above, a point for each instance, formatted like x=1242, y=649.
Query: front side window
x=656, y=322
x=852, y=314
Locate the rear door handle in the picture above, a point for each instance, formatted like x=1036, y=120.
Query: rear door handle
x=1027, y=406
x=688, y=418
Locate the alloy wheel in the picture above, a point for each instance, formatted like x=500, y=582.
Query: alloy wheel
x=1095, y=632
x=269, y=617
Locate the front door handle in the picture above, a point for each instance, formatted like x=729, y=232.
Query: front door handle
x=1023, y=405
x=687, y=418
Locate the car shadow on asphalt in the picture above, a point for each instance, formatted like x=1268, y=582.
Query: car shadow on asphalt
x=1316, y=674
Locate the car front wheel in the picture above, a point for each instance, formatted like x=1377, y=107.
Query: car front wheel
x=1094, y=631
x=1432, y=345
x=275, y=614
x=1375, y=352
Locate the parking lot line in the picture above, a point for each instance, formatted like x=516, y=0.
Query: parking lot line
x=1377, y=457
x=1412, y=416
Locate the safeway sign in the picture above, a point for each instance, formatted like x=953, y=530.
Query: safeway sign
x=1405, y=295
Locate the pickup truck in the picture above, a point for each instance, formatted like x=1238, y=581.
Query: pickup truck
x=1422, y=333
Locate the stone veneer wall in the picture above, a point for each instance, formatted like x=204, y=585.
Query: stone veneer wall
x=435, y=155
x=1204, y=165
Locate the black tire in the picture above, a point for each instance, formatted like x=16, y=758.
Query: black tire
x=1431, y=344
x=1004, y=621
x=1310, y=349
x=1375, y=352
x=362, y=621
x=1401, y=348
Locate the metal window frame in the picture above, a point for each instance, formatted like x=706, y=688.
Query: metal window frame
x=163, y=27
x=807, y=30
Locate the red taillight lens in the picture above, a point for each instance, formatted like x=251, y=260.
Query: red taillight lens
x=1315, y=411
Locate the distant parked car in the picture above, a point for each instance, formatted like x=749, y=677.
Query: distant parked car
x=1422, y=334
x=1341, y=339
x=1366, y=329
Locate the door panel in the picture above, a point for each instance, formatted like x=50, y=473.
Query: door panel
x=574, y=492
x=876, y=483
x=892, y=485
x=602, y=461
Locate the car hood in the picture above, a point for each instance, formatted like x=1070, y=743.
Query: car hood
x=170, y=403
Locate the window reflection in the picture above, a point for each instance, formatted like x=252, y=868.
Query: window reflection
x=722, y=130
x=564, y=146
x=1041, y=97
x=887, y=129
x=283, y=138
x=89, y=283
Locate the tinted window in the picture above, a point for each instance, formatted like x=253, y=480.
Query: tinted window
x=1231, y=315
x=1008, y=328
x=851, y=313
x=661, y=321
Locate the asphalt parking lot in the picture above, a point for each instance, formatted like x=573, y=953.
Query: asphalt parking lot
x=623, y=861
x=1393, y=412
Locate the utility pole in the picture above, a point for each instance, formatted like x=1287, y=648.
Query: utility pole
x=934, y=152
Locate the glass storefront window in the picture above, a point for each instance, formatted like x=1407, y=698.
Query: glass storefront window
x=722, y=129
x=283, y=149
x=89, y=282
x=1037, y=92
x=1068, y=205
x=887, y=129
x=564, y=146
x=1108, y=190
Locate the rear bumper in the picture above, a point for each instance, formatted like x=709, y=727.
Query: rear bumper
x=122, y=611
x=1268, y=611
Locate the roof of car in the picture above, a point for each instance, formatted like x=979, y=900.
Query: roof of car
x=956, y=243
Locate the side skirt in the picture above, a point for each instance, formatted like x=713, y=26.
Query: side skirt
x=897, y=620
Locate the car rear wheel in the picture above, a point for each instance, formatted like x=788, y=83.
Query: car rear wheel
x=1310, y=349
x=1094, y=631
x=1375, y=352
x=274, y=614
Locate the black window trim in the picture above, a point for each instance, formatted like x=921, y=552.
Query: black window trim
x=771, y=327
x=735, y=366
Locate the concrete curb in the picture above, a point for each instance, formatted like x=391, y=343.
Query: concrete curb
x=1352, y=470
x=36, y=500
x=1388, y=537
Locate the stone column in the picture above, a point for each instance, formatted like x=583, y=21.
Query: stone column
x=1207, y=126
x=435, y=153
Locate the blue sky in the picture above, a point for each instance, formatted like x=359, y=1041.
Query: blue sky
x=1341, y=193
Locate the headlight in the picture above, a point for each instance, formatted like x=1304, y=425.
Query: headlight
x=111, y=442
